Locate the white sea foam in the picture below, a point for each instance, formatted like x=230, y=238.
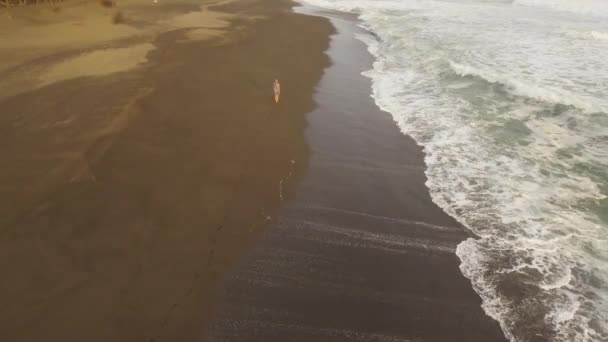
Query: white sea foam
x=585, y=7
x=521, y=88
x=510, y=101
x=599, y=35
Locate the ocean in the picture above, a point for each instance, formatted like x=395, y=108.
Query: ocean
x=509, y=100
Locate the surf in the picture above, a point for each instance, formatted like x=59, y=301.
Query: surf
x=511, y=110
x=583, y=7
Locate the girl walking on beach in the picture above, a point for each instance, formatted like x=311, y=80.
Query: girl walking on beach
x=276, y=86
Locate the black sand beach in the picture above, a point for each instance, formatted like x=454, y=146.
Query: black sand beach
x=361, y=253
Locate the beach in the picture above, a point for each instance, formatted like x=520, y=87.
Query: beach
x=128, y=189
x=360, y=253
x=433, y=171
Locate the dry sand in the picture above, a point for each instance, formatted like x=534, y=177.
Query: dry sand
x=125, y=196
x=97, y=63
x=41, y=45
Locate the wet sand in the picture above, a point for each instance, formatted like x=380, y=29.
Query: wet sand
x=125, y=197
x=361, y=253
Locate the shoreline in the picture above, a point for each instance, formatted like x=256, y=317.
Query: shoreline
x=361, y=252
x=126, y=196
x=130, y=192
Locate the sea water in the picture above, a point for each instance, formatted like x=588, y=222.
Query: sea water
x=510, y=101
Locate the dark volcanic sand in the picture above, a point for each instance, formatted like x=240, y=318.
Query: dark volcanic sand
x=361, y=253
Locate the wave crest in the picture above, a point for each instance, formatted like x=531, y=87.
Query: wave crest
x=528, y=90
x=585, y=7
